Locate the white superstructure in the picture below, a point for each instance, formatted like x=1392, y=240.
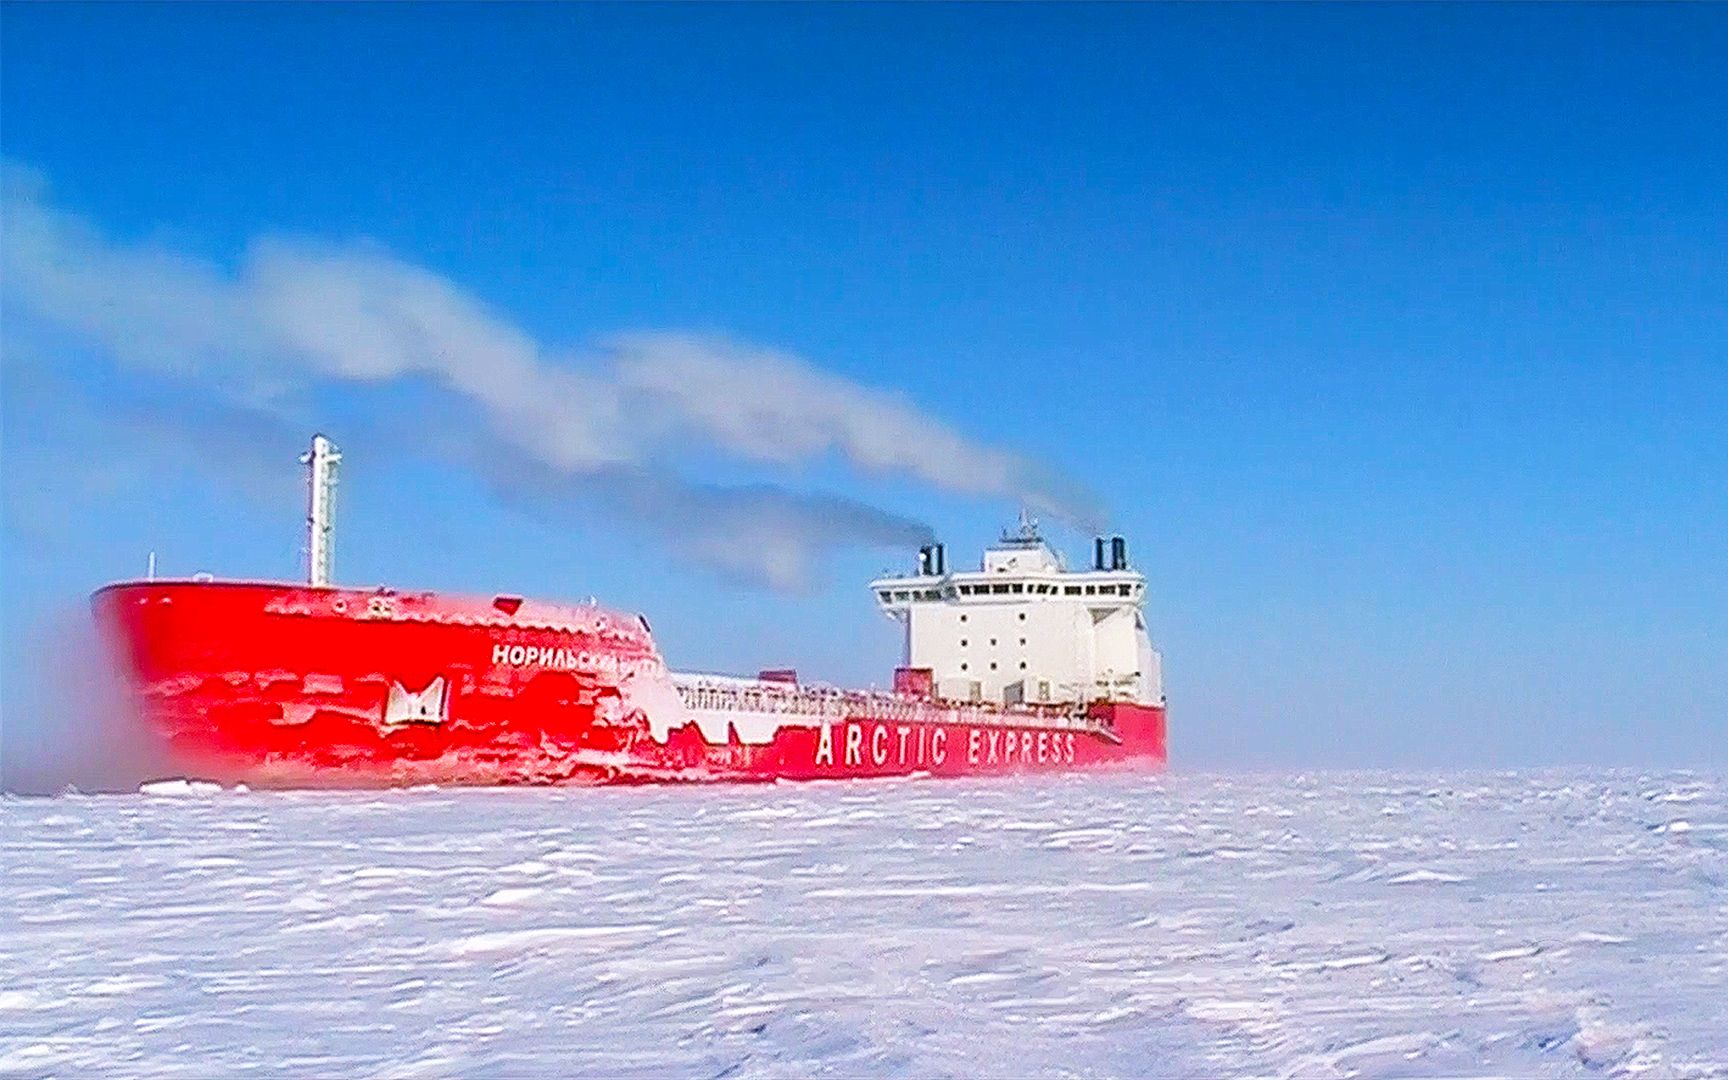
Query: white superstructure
x=1025, y=628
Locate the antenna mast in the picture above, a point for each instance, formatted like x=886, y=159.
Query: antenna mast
x=320, y=462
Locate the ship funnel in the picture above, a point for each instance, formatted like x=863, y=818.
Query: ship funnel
x=1098, y=553
x=320, y=462
x=926, y=560
x=941, y=560
x=1118, y=553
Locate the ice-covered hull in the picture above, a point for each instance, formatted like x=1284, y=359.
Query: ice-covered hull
x=292, y=685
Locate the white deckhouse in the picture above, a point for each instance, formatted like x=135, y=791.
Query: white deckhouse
x=1023, y=628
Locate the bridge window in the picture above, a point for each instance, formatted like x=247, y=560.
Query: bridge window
x=1000, y=589
x=1071, y=590
x=885, y=595
x=1017, y=587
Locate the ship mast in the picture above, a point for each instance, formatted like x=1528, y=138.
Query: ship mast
x=320, y=462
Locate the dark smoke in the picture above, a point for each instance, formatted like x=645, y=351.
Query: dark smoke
x=760, y=535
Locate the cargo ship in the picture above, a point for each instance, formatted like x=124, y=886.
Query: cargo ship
x=1021, y=665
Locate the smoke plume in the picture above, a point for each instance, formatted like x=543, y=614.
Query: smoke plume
x=596, y=424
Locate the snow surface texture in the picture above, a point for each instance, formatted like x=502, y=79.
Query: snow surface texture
x=1532, y=924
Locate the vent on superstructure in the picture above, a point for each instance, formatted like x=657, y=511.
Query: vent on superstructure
x=932, y=560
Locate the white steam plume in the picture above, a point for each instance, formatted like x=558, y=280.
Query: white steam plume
x=296, y=315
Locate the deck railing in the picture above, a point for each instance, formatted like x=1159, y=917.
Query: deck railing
x=818, y=702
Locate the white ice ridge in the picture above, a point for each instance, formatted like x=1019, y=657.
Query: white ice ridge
x=1374, y=925
x=179, y=787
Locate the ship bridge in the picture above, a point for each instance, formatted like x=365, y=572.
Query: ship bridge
x=1023, y=627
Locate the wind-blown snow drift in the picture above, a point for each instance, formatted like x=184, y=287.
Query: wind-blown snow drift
x=1549, y=924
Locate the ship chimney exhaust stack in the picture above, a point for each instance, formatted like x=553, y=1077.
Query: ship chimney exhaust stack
x=1118, y=553
x=1098, y=553
x=320, y=462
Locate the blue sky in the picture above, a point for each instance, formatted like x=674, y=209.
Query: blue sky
x=1395, y=339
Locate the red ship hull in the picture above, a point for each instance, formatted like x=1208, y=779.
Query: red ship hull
x=288, y=685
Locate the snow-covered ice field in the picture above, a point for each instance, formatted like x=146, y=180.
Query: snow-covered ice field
x=1531, y=924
